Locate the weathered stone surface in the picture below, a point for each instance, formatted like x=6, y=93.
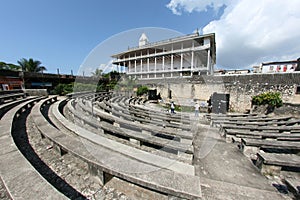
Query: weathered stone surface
x=241, y=87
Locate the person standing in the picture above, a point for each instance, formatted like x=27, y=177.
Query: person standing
x=172, y=107
x=196, y=109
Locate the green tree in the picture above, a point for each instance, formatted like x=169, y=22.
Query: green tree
x=63, y=89
x=31, y=65
x=271, y=99
x=9, y=66
x=97, y=73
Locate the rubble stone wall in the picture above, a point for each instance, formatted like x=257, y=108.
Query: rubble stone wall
x=241, y=87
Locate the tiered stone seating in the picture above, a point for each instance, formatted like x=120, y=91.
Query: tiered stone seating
x=134, y=136
x=107, y=158
x=7, y=106
x=11, y=95
x=122, y=121
x=145, y=117
x=273, y=143
x=21, y=179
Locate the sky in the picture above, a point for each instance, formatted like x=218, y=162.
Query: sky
x=63, y=34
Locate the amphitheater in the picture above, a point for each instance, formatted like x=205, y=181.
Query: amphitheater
x=109, y=146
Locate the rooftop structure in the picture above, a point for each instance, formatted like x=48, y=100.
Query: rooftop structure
x=182, y=56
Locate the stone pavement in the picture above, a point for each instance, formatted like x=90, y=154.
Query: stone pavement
x=226, y=173
x=3, y=193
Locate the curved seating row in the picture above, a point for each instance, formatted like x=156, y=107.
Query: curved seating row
x=273, y=143
x=121, y=119
x=136, y=137
x=20, y=178
x=7, y=106
x=11, y=95
x=142, y=116
x=108, y=158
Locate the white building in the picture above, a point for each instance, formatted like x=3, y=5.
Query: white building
x=282, y=66
x=176, y=57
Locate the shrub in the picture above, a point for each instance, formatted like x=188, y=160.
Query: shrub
x=272, y=99
x=142, y=90
x=63, y=89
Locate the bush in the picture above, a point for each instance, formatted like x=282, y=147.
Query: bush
x=63, y=89
x=272, y=99
x=142, y=90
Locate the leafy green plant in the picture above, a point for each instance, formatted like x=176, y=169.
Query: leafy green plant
x=272, y=99
x=142, y=90
x=63, y=89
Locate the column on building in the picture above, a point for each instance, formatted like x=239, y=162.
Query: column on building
x=135, y=64
x=148, y=64
x=163, y=66
x=209, y=70
x=141, y=65
x=129, y=64
x=172, y=60
x=155, y=63
x=192, y=58
x=181, y=60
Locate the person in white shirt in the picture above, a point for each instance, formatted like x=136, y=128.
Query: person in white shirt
x=172, y=107
x=197, y=109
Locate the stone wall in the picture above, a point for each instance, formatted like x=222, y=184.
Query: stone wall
x=36, y=92
x=240, y=87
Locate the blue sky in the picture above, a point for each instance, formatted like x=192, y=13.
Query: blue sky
x=62, y=33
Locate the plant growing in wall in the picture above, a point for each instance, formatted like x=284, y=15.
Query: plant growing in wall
x=142, y=90
x=271, y=99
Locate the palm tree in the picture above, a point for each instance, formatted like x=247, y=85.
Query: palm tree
x=97, y=73
x=31, y=65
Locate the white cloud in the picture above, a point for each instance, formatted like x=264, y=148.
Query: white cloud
x=179, y=6
x=253, y=31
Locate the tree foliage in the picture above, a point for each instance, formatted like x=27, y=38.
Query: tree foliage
x=97, y=73
x=31, y=65
x=272, y=99
x=9, y=66
x=142, y=90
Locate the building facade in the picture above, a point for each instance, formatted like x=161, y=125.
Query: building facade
x=183, y=56
x=282, y=66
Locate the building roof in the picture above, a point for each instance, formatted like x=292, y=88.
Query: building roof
x=280, y=62
x=168, y=41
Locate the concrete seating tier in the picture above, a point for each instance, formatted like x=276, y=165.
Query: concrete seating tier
x=107, y=158
x=248, y=120
x=179, y=118
x=136, y=100
x=272, y=163
x=280, y=129
x=251, y=146
x=142, y=118
x=11, y=95
x=293, y=184
x=150, y=115
x=272, y=143
x=135, y=137
x=179, y=115
x=97, y=95
x=86, y=94
x=233, y=135
x=213, y=116
x=20, y=178
x=183, y=136
x=265, y=123
x=7, y=106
